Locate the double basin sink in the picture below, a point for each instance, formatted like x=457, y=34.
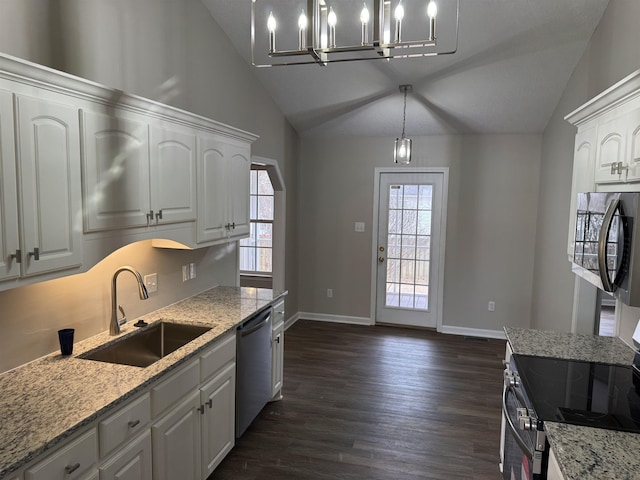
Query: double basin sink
x=148, y=345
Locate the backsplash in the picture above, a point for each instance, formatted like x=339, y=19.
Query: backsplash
x=31, y=316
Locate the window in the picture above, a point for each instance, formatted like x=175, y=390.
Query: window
x=256, y=251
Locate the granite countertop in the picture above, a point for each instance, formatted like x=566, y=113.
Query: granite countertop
x=49, y=399
x=570, y=346
x=584, y=453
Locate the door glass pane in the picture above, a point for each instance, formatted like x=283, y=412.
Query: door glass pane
x=408, y=246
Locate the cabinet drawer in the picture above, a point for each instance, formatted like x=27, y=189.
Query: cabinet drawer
x=124, y=424
x=70, y=462
x=175, y=387
x=223, y=352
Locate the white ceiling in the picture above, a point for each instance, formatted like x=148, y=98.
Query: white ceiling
x=513, y=62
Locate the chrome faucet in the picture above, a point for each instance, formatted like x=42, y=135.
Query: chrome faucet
x=114, y=327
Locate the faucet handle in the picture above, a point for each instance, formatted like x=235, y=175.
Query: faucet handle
x=123, y=320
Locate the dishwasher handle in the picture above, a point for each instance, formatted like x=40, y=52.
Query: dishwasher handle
x=248, y=329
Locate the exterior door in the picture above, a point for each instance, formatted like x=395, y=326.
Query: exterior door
x=409, y=248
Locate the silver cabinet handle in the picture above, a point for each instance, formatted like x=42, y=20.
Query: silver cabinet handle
x=69, y=469
x=149, y=216
x=201, y=409
x=35, y=254
x=607, y=285
x=133, y=423
x=159, y=215
x=210, y=403
x=278, y=339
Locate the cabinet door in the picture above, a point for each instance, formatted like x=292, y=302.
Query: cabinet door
x=218, y=427
x=610, y=150
x=277, y=360
x=583, y=177
x=633, y=146
x=51, y=203
x=172, y=175
x=9, y=241
x=116, y=171
x=176, y=441
x=212, y=189
x=131, y=463
x=553, y=471
x=238, y=168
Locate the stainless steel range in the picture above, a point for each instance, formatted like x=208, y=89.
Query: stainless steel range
x=541, y=389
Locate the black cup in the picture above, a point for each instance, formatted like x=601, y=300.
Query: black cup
x=66, y=340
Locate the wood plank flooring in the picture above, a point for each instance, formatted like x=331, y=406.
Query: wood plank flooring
x=379, y=403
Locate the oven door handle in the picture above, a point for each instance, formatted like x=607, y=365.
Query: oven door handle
x=607, y=285
x=521, y=443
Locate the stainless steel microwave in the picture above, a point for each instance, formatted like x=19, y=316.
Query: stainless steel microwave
x=607, y=240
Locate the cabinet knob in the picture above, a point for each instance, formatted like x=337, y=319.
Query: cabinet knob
x=278, y=339
x=35, y=254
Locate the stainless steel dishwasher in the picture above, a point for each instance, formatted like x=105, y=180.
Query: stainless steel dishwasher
x=253, y=368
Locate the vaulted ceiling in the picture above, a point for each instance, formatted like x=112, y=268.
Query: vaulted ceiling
x=513, y=62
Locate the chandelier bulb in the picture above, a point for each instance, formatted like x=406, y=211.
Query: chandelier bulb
x=364, y=15
x=302, y=21
x=332, y=19
x=432, y=9
x=271, y=23
x=399, y=12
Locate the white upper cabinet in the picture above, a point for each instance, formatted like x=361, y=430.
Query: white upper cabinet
x=116, y=171
x=172, y=173
x=223, y=189
x=48, y=142
x=611, y=154
x=9, y=240
x=583, y=177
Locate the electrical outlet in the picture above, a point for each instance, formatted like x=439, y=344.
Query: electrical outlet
x=192, y=271
x=492, y=306
x=360, y=227
x=151, y=282
x=329, y=292
x=185, y=273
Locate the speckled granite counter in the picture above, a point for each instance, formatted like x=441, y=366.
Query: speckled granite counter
x=47, y=400
x=584, y=453
x=571, y=346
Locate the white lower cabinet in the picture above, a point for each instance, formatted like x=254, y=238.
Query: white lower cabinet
x=277, y=351
x=131, y=463
x=195, y=426
x=553, y=471
x=75, y=460
x=176, y=441
x=218, y=421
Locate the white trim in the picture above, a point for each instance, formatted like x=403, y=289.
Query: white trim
x=291, y=321
x=325, y=317
x=443, y=233
x=472, y=332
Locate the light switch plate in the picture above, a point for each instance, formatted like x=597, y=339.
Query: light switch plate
x=359, y=226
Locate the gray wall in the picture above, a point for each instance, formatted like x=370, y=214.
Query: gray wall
x=611, y=54
x=171, y=51
x=491, y=222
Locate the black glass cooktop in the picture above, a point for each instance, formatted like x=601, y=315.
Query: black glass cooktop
x=582, y=393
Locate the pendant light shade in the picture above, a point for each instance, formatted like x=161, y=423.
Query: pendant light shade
x=402, y=145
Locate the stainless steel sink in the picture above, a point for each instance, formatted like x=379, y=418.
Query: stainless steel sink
x=148, y=345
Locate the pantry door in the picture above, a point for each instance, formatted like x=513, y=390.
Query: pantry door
x=410, y=248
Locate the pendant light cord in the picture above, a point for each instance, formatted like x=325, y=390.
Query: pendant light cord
x=404, y=112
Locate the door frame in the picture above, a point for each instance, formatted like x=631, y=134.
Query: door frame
x=374, y=234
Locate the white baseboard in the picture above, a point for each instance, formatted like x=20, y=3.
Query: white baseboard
x=325, y=317
x=448, y=329
x=473, y=332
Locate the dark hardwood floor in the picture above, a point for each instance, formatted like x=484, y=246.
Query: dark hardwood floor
x=378, y=403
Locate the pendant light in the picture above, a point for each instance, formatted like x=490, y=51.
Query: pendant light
x=402, y=147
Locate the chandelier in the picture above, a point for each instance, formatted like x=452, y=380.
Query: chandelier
x=296, y=32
